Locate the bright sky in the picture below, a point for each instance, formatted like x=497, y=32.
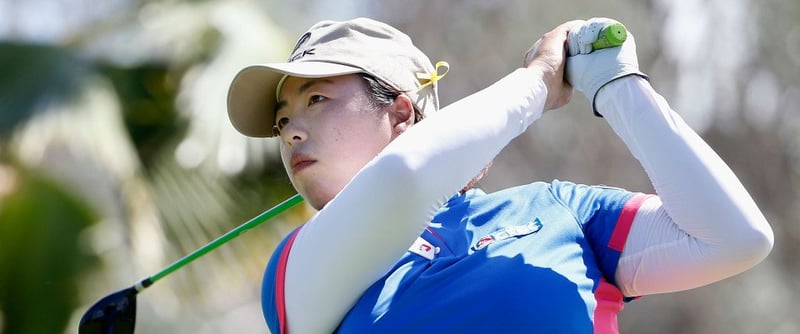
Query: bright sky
x=51, y=21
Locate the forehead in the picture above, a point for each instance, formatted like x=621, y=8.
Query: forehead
x=291, y=85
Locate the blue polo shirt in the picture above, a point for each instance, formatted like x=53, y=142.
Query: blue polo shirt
x=536, y=258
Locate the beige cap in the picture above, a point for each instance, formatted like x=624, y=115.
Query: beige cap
x=330, y=49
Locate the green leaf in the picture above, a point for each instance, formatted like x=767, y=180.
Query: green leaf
x=32, y=76
x=40, y=257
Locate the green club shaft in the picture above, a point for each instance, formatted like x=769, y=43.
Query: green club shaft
x=255, y=221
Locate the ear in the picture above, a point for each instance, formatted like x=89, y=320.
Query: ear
x=401, y=114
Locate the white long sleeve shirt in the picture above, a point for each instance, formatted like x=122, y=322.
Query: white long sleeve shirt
x=702, y=227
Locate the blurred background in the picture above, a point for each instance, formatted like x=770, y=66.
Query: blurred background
x=117, y=158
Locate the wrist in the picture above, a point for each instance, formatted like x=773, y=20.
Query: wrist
x=552, y=81
x=613, y=84
x=545, y=72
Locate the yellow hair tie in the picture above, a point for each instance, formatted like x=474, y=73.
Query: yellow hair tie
x=431, y=79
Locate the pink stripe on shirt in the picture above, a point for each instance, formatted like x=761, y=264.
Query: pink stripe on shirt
x=625, y=221
x=608, y=296
x=609, y=303
x=280, y=280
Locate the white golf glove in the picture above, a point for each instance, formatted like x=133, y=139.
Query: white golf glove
x=589, y=70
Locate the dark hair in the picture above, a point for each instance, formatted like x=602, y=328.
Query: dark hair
x=382, y=94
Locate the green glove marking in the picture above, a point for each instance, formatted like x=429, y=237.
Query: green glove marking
x=610, y=36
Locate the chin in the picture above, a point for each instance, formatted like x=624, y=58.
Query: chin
x=318, y=194
x=317, y=201
x=316, y=205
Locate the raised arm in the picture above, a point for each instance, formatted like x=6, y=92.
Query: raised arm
x=703, y=226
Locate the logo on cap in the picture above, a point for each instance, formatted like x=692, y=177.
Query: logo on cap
x=303, y=39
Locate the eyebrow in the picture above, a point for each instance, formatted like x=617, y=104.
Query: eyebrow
x=302, y=89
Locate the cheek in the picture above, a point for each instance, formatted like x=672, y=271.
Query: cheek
x=284, y=152
x=364, y=140
x=285, y=158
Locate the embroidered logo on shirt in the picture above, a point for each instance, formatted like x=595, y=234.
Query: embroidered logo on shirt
x=424, y=248
x=508, y=232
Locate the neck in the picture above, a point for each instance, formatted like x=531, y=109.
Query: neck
x=475, y=179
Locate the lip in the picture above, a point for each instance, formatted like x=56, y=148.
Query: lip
x=300, y=162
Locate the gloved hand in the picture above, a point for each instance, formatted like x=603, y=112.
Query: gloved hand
x=589, y=70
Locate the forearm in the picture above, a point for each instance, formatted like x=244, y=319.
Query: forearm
x=362, y=232
x=709, y=227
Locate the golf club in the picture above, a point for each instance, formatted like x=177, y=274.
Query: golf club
x=116, y=313
x=610, y=36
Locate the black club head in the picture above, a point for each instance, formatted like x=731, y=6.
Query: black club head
x=116, y=313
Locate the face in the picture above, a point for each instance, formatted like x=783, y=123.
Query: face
x=328, y=132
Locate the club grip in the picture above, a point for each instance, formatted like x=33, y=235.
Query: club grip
x=610, y=36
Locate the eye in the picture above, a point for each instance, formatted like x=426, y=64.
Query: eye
x=315, y=99
x=279, y=125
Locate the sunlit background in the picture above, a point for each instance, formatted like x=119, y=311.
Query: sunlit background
x=117, y=157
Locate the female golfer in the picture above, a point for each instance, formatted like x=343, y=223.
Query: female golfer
x=400, y=245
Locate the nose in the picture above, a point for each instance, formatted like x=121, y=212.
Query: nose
x=294, y=132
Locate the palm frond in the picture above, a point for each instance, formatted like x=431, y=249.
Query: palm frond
x=34, y=75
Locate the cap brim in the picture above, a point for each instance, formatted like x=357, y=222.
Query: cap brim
x=251, y=97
